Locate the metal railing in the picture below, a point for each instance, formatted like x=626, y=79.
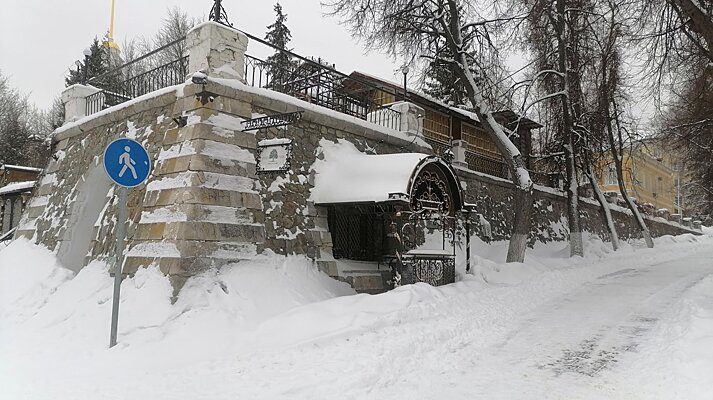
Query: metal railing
x=439, y=147
x=318, y=82
x=481, y=163
x=552, y=179
x=476, y=161
x=157, y=69
x=385, y=116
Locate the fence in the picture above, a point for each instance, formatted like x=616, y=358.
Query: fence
x=318, y=82
x=162, y=67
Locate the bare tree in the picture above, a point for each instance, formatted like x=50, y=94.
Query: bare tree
x=687, y=128
x=23, y=128
x=555, y=33
x=449, y=31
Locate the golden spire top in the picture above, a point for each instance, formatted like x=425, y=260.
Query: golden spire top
x=110, y=43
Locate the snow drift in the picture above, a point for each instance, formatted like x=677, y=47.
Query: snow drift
x=275, y=326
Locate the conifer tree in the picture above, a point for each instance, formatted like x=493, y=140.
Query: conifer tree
x=442, y=82
x=279, y=64
x=98, y=63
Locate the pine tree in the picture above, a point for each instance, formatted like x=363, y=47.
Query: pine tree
x=442, y=82
x=98, y=63
x=279, y=65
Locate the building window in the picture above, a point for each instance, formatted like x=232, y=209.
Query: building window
x=356, y=234
x=381, y=97
x=437, y=126
x=479, y=141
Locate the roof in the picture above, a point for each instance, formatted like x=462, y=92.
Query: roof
x=17, y=187
x=508, y=116
x=346, y=175
x=20, y=168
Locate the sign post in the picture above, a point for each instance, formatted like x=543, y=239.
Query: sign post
x=128, y=164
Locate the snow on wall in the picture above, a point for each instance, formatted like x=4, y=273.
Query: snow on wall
x=91, y=196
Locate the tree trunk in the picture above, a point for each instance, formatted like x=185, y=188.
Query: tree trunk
x=606, y=211
x=699, y=22
x=572, y=188
x=511, y=154
x=618, y=164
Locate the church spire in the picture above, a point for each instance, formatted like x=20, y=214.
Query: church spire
x=110, y=43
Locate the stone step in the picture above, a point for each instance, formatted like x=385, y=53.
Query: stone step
x=370, y=282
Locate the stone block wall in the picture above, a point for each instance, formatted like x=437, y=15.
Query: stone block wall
x=493, y=197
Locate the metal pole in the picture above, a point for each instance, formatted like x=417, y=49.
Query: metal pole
x=120, y=233
x=678, y=194
x=86, y=69
x=467, y=242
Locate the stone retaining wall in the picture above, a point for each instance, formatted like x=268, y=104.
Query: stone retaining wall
x=549, y=222
x=204, y=205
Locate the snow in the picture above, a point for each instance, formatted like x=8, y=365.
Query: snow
x=348, y=175
x=17, y=187
x=685, y=333
x=23, y=290
x=154, y=249
x=274, y=142
x=211, y=180
x=165, y=214
x=629, y=324
x=224, y=152
x=156, y=93
x=225, y=125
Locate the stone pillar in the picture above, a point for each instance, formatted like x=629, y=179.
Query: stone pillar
x=217, y=50
x=411, y=117
x=74, y=99
x=459, y=148
x=202, y=209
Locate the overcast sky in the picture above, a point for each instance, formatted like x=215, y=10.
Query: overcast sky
x=41, y=39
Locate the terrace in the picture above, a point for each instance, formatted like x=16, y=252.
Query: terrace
x=317, y=82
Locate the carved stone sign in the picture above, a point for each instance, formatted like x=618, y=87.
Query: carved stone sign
x=272, y=121
x=274, y=155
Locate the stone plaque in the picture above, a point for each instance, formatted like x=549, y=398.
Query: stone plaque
x=274, y=155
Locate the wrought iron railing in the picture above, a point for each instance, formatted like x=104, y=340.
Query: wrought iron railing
x=318, y=82
x=476, y=161
x=552, y=180
x=439, y=147
x=485, y=164
x=162, y=67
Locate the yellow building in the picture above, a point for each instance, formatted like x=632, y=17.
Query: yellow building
x=647, y=178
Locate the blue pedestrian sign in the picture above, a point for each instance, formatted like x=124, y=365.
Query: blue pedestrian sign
x=126, y=162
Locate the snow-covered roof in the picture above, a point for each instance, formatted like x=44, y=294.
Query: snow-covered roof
x=20, y=168
x=17, y=187
x=346, y=175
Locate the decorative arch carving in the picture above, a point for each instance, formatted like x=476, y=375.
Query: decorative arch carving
x=434, y=187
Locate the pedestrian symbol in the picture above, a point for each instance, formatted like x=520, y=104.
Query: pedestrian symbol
x=126, y=162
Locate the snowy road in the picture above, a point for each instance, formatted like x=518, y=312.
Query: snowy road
x=567, y=347
x=563, y=347
x=635, y=324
